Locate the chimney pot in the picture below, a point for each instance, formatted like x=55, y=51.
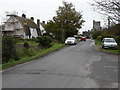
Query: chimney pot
x=32, y=18
x=23, y=15
x=43, y=22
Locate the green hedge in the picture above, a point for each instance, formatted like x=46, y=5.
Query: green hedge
x=8, y=49
x=44, y=41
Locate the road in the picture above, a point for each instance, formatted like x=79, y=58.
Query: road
x=75, y=66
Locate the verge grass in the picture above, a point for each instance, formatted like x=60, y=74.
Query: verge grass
x=37, y=55
x=98, y=43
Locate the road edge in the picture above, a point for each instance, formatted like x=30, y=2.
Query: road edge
x=32, y=59
x=99, y=48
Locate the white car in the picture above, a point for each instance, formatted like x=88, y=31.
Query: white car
x=109, y=43
x=71, y=40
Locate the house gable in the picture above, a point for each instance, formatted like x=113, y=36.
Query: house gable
x=12, y=24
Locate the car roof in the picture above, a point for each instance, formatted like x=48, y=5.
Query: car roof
x=71, y=37
x=108, y=38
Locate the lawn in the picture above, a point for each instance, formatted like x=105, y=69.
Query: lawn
x=29, y=42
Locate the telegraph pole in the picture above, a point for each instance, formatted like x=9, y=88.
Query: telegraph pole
x=108, y=21
x=62, y=24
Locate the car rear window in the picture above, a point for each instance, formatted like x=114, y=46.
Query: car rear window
x=70, y=38
x=83, y=37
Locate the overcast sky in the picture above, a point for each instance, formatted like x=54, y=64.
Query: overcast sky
x=46, y=9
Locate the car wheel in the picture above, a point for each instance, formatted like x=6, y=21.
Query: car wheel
x=103, y=46
x=115, y=48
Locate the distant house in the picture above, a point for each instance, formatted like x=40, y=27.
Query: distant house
x=96, y=25
x=21, y=27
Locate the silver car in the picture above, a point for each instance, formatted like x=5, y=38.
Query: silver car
x=71, y=40
x=109, y=43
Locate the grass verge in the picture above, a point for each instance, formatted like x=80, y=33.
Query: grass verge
x=38, y=55
x=98, y=43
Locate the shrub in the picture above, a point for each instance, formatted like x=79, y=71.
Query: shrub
x=99, y=38
x=117, y=39
x=16, y=40
x=26, y=45
x=8, y=49
x=48, y=34
x=44, y=41
x=31, y=39
x=34, y=39
x=95, y=34
x=26, y=52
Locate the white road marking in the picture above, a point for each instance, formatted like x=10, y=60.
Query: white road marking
x=93, y=43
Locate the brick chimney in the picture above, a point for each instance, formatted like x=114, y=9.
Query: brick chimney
x=23, y=15
x=43, y=22
x=32, y=18
x=38, y=23
x=38, y=30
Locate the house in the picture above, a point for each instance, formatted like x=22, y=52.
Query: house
x=42, y=29
x=2, y=27
x=96, y=25
x=21, y=27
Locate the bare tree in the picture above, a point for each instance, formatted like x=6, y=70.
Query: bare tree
x=111, y=8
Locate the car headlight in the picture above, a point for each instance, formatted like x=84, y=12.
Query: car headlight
x=116, y=45
x=105, y=45
x=73, y=42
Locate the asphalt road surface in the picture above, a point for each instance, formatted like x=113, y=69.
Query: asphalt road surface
x=75, y=66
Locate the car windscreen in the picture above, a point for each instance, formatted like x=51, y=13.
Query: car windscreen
x=109, y=40
x=70, y=38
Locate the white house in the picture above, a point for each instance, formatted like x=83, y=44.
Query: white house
x=42, y=29
x=21, y=27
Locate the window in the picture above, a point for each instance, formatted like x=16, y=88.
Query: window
x=17, y=29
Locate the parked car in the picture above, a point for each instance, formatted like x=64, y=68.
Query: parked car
x=71, y=40
x=83, y=38
x=109, y=43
